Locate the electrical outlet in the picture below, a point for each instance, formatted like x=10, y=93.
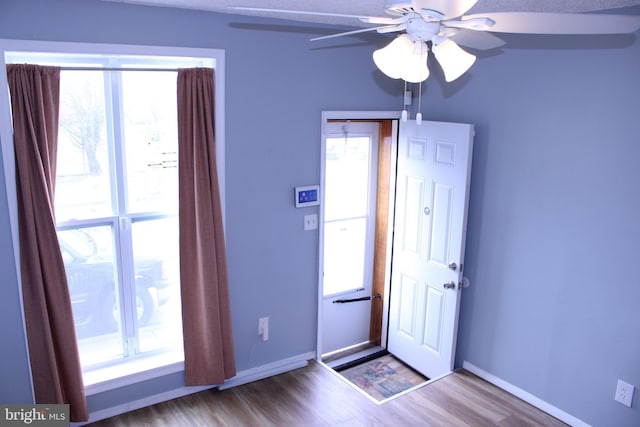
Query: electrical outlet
x=263, y=328
x=624, y=393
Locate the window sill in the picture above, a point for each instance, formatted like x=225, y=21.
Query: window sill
x=131, y=372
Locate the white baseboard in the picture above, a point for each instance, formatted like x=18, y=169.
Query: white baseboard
x=242, y=377
x=524, y=395
x=141, y=403
x=264, y=371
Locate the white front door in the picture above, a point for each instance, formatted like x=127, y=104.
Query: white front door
x=434, y=166
x=349, y=213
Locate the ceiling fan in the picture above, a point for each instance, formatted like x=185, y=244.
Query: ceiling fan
x=442, y=23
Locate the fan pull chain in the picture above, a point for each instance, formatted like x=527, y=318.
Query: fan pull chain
x=404, y=114
x=419, y=115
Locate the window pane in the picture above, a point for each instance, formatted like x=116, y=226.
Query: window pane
x=116, y=206
x=151, y=140
x=347, y=177
x=82, y=177
x=344, y=260
x=88, y=255
x=155, y=248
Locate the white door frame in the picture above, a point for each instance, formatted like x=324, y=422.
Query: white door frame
x=349, y=115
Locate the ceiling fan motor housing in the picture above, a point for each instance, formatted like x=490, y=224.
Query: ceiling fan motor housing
x=419, y=29
x=398, y=8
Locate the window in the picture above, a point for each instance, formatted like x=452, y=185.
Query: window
x=349, y=211
x=116, y=211
x=116, y=205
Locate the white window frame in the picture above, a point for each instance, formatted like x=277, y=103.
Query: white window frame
x=28, y=47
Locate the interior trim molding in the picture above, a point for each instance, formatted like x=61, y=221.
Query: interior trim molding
x=141, y=403
x=269, y=370
x=243, y=377
x=524, y=395
x=134, y=378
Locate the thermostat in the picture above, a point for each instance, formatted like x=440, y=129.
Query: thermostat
x=307, y=196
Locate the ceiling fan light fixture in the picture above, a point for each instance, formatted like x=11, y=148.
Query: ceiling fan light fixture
x=391, y=59
x=416, y=69
x=403, y=59
x=454, y=60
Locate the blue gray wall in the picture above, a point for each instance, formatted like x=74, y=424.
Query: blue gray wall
x=553, y=306
x=276, y=87
x=553, y=229
x=15, y=386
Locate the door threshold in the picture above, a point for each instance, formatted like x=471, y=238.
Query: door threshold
x=356, y=358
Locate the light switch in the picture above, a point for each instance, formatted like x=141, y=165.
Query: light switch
x=310, y=222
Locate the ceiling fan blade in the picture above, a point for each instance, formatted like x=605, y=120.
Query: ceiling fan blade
x=371, y=19
x=448, y=8
x=392, y=28
x=382, y=20
x=382, y=29
x=481, y=40
x=556, y=23
x=454, y=60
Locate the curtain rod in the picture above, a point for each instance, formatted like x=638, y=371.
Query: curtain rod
x=115, y=69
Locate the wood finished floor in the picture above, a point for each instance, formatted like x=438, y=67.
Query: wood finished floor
x=315, y=396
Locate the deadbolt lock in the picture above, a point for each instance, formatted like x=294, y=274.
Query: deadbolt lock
x=453, y=266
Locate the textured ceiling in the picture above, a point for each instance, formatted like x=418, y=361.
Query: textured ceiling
x=376, y=7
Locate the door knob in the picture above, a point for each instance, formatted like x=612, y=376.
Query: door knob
x=453, y=266
x=450, y=285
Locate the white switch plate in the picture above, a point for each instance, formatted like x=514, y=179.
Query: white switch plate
x=407, y=97
x=624, y=393
x=263, y=328
x=310, y=222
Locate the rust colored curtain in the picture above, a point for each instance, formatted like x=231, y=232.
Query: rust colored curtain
x=206, y=313
x=53, y=350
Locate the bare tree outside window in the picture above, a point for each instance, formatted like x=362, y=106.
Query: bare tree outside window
x=84, y=123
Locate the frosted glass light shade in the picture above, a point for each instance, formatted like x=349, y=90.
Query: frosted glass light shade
x=403, y=59
x=416, y=69
x=391, y=58
x=453, y=59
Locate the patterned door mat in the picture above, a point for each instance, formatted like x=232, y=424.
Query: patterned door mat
x=384, y=377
